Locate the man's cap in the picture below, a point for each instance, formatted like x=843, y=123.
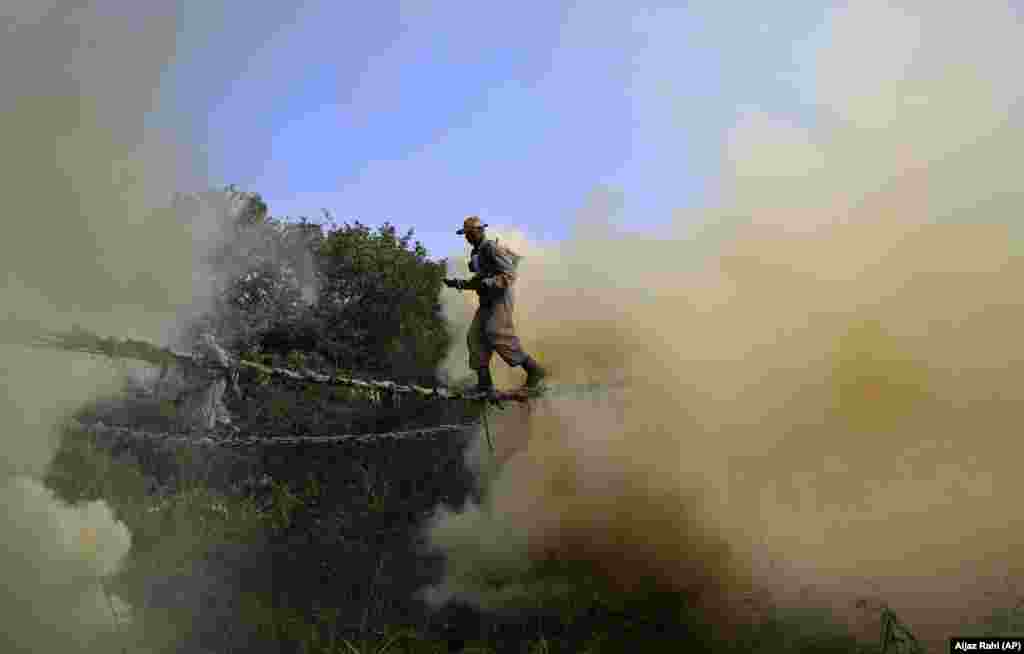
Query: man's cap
x=471, y=223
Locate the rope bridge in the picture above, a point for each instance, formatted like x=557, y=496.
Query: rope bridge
x=895, y=636
x=84, y=342
x=216, y=365
x=242, y=442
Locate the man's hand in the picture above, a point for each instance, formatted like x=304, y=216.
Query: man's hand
x=464, y=284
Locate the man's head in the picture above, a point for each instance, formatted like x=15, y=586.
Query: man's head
x=473, y=229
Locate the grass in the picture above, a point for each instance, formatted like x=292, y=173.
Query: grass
x=172, y=534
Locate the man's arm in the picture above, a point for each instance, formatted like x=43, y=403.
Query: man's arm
x=461, y=284
x=504, y=262
x=473, y=284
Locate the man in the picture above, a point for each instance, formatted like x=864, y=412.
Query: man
x=492, y=329
x=200, y=386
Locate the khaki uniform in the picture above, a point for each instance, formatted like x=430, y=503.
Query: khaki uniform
x=198, y=391
x=493, y=328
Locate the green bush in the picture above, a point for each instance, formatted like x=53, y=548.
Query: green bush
x=171, y=534
x=375, y=312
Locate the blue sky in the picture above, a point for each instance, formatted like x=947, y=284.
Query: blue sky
x=420, y=113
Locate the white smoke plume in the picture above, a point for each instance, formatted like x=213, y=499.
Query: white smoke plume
x=232, y=237
x=829, y=379
x=86, y=243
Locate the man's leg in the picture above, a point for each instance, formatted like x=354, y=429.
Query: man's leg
x=480, y=353
x=515, y=356
x=501, y=334
x=534, y=373
x=484, y=382
x=512, y=354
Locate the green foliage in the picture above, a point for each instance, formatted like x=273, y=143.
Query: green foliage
x=270, y=263
x=375, y=310
x=382, y=645
x=378, y=299
x=376, y=489
x=284, y=505
x=1007, y=622
x=316, y=632
x=296, y=360
x=171, y=533
x=82, y=473
x=808, y=631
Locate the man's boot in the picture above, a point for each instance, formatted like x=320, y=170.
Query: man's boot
x=534, y=373
x=484, y=382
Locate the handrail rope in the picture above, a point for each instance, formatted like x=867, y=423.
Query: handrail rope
x=239, y=442
x=147, y=352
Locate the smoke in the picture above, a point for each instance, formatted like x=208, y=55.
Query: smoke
x=85, y=242
x=823, y=374
x=234, y=239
